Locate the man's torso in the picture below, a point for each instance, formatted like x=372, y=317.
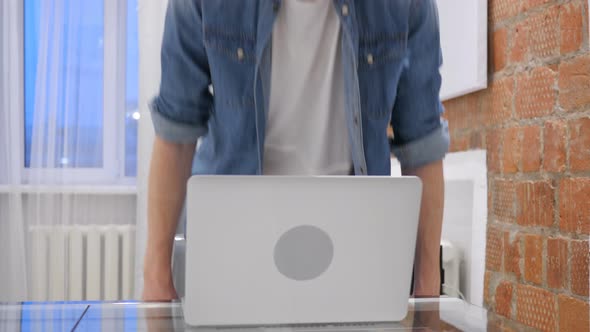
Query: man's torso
x=237, y=39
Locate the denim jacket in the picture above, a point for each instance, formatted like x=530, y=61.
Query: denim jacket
x=216, y=63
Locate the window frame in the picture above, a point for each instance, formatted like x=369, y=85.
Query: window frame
x=17, y=125
x=112, y=171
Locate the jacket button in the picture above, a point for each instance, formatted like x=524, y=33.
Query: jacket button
x=370, y=59
x=345, y=10
x=240, y=53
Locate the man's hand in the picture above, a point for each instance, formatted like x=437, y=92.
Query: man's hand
x=156, y=290
x=427, y=261
x=169, y=172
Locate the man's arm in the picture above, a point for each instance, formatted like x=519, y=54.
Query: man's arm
x=427, y=261
x=180, y=114
x=169, y=171
x=421, y=138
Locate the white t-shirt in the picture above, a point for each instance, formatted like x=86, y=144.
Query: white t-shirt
x=306, y=131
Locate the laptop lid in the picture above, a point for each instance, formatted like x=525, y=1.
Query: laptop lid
x=299, y=250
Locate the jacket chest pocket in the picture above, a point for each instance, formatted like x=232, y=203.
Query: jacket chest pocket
x=239, y=47
x=378, y=50
x=232, y=61
x=381, y=60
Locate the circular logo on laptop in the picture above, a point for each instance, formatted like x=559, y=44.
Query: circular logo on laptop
x=303, y=253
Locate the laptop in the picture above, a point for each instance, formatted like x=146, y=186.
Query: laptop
x=265, y=251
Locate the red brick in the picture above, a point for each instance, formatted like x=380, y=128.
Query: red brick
x=493, y=142
x=574, y=315
x=512, y=254
x=503, y=207
x=490, y=199
x=462, y=113
x=574, y=83
x=494, y=249
x=520, y=43
x=465, y=113
x=544, y=33
x=479, y=101
x=460, y=143
x=554, y=151
x=486, y=288
x=507, y=328
x=484, y=97
x=497, y=323
x=512, y=152
x=534, y=203
x=501, y=94
x=494, y=323
x=476, y=140
x=504, y=299
x=572, y=27
x=536, y=93
x=579, y=148
x=557, y=252
x=528, y=4
x=579, y=276
x=574, y=205
x=498, y=49
x=536, y=307
x=502, y=9
x=531, y=146
x=533, y=259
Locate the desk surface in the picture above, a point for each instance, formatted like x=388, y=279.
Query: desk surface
x=446, y=314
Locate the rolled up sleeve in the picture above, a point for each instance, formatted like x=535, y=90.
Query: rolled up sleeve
x=421, y=136
x=182, y=108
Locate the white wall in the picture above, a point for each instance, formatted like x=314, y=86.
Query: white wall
x=463, y=26
x=465, y=216
x=95, y=209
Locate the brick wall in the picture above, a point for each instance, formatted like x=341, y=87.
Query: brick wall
x=534, y=122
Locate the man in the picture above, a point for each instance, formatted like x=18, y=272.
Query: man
x=296, y=87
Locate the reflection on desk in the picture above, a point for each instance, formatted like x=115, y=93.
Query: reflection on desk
x=32, y=316
x=444, y=314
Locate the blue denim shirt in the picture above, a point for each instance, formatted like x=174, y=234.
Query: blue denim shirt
x=390, y=60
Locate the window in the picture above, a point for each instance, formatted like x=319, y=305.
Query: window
x=132, y=90
x=81, y=87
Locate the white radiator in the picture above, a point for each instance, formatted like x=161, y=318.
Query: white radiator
x=78, y=262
